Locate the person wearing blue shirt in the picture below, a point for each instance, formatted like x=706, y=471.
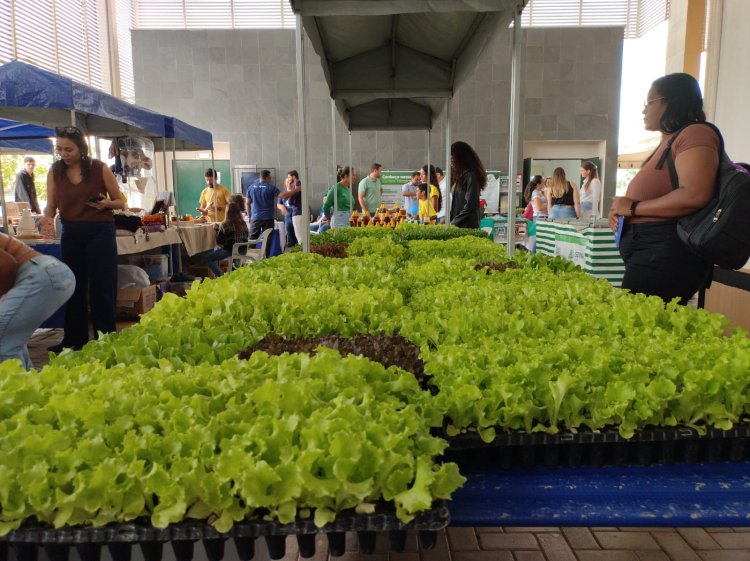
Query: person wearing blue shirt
x=261, y=199
x=409, y=192
x=291, y=208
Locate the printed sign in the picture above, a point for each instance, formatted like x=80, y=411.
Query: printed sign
x=571, y=248
x=392, y=182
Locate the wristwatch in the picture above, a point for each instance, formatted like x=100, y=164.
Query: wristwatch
x=632, y=207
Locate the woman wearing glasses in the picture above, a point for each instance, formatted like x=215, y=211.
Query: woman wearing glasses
x=85, y=192
x=656, y=261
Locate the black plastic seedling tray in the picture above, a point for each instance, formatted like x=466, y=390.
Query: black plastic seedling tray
x=120, y=538
x=667, y=445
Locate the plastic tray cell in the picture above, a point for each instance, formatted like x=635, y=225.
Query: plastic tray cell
x=120, y=538
x=666, y=446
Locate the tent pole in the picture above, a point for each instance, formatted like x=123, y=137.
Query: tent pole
x=515, y=132
x=447, y=170
x=333, y=136
x=300, y=48
x=429, y=161
x=164, y=163
x=216, y=182
x=6, y=229
x=178, y=251
x=351, y=175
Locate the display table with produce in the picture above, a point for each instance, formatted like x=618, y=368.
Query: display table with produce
x=317, y=388
x=129, y=243
x=590, y=246
x=197, y=238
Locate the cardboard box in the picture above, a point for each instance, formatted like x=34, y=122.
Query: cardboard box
x=132, y=302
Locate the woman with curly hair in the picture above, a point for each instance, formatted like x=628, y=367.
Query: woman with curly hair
x=469, y=179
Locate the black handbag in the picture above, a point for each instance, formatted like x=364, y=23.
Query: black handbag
x=720, y=231
x=129, y=223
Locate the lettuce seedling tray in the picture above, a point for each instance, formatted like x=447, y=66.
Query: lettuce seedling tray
x=120, y=538
x=658, y=445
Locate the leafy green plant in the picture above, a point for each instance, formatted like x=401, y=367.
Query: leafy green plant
x=93, y=445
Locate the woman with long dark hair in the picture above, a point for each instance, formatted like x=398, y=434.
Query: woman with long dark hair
x=85, y=191
x=233, y=230
x=469, y=180
x=591, y=191
x=436, y=197
x=656, y=261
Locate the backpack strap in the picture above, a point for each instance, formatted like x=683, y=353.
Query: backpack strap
x=669, y=159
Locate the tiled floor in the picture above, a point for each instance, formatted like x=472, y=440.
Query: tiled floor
x=530, y=544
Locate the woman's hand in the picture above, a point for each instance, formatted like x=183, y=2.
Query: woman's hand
x=612, y=220
x=46, y=222
x=103, y=204
x=620, y=207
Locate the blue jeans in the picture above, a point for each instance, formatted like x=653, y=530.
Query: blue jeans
x=560, y=211
x=340, y=219
x=291, y=238
x=42, y=285
x=216, y=254
x=90, y=250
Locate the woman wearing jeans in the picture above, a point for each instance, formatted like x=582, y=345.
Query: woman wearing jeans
x=233, y=230
x=85, y=191
x=563, y=198
x=656, y=261
x=32, y=287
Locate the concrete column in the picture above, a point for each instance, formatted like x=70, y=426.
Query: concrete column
x=687, y=21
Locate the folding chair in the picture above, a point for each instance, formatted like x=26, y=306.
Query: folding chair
x=247, y=252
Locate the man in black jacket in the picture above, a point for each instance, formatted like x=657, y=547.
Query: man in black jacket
x=25, y=189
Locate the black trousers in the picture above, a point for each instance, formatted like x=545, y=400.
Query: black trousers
x=90, y=250
x=657, y=263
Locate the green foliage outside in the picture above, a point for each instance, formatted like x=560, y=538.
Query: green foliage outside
x=12, y=164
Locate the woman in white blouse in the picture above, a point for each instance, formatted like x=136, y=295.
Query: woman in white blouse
x=591, y=191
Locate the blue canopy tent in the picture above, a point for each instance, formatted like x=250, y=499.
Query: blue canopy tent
x=20, y=138
x=184, y=136
x=39, y=97
x=31, y=95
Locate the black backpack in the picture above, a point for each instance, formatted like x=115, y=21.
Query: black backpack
x=720, y=231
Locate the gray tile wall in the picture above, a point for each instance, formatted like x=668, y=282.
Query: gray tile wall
x=241, y=85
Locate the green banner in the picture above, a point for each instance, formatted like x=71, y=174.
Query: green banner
x=392, y=182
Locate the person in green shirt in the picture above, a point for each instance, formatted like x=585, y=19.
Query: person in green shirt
x=340, y=218
x=370, y=190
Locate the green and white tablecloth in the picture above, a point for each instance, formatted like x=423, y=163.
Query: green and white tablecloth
x=591, y=247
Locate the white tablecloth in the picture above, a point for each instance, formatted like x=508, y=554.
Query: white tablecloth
x=137, y=243
x=197, y=238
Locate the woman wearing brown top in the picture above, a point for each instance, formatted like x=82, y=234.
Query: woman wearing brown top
x=85, y=191
x=32, y=287
x=656, y=261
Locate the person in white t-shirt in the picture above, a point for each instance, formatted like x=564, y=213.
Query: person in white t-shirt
x=441, y=186
x=409, y=192
x=591, y=191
